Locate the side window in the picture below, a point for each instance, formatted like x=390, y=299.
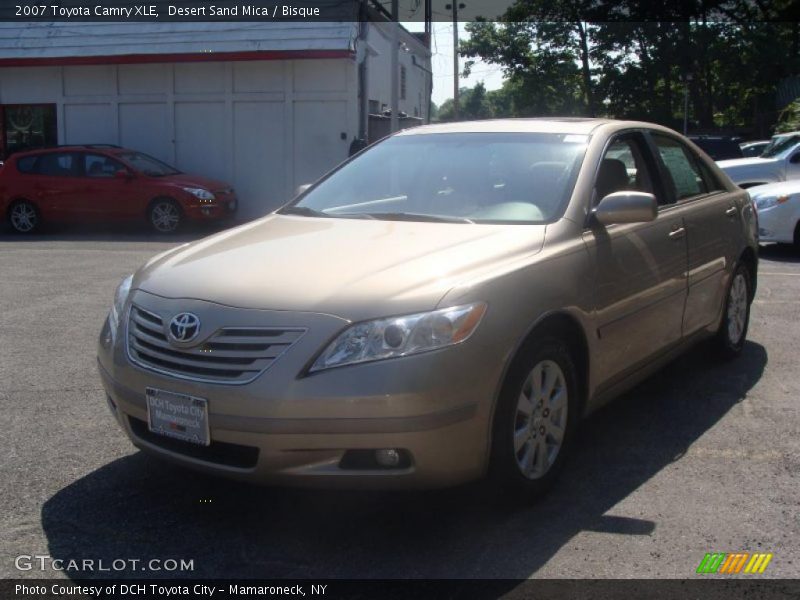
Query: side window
x=57, y=164
x=27, y=164
x=97, y=165
x=623, y=168
x=712, y=182
x=681, y=167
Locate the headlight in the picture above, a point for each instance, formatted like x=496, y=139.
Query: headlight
x=401, y=336
x=200, y=193
x=120, y=296
x=770, y=201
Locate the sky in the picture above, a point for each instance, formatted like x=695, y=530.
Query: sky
x=442, y=62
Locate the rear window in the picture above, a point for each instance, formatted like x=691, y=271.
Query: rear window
x=27, y=164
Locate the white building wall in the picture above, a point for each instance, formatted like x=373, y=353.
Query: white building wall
x=264, y=126
x=418, y=79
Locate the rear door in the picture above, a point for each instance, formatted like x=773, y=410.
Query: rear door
x=55, y=188
x=640, y=268
x=712, y=224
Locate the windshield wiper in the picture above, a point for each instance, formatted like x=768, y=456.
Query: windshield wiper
x=304, y=211
x=406, y=216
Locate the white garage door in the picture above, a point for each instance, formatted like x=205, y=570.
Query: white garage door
x=259, y=163
x=201, y=142
x=318, y=143
x=144, y=127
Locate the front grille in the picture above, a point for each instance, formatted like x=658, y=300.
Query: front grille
x=221, y=453
x=231, y=355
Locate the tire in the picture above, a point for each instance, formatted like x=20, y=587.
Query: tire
x=24, y=217
x=797, y=237
x=164, y=215
x=526, y=457
x=732, y=332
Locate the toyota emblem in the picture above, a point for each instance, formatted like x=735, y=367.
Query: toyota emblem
x=184, y=327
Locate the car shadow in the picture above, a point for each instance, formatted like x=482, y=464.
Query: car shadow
x=139, y=507
x=780, y=253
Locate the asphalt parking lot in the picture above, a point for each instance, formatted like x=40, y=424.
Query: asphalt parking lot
x=704, y=456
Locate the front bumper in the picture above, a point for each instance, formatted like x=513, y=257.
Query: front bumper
x=285, y=429
x=776, y=224
x=224, y=206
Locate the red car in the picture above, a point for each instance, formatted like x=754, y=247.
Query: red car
x=106, y=183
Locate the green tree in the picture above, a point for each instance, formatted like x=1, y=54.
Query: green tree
x=569, y=58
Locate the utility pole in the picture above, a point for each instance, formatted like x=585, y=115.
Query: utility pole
x=454, y=7
x=395, y=122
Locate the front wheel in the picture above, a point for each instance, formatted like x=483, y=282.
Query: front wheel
x=24, y=217
x=164, y=215
x=736, y=318
x=535, y=420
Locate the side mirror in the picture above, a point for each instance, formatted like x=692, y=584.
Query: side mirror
x=123, y=174
x=301, y=188
x=795, y=158
x=626, y=207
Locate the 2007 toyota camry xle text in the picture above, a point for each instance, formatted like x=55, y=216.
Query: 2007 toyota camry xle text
x=444, y=306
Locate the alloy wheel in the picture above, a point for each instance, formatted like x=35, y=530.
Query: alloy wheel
x=23, y=217
x=541, y=419
x=165, y=217
x=737, y=309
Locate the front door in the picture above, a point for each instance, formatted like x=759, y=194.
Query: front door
x=106, y=197
x=640, y=268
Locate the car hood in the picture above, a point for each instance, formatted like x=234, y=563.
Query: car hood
x=184, y=179
x=352, y=268
x=754, y=162
x=775, y=189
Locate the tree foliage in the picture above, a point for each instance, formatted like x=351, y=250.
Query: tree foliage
x=729, y=69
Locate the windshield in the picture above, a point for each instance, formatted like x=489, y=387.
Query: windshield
x=778, y=145
x=147, y=164
x=453, y=177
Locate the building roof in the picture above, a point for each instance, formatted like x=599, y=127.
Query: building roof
x=62, y=41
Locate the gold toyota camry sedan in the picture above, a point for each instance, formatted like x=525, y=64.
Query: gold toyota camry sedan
x=445, y=305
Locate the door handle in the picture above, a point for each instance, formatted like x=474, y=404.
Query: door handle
x=677, y=233
x=731, y=211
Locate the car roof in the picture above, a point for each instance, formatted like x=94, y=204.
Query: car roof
x=568, y=125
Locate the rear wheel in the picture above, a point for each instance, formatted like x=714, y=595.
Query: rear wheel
x=535, y=420
x=797, y=236
x=23, y=217
x=164, y=215
x=736, y=318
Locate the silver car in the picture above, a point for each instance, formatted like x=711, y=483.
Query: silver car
x=444, y=306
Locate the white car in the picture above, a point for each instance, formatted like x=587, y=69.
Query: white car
x=779, y=162
x=778, y=207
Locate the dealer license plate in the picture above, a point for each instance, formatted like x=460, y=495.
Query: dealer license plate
x=178, y=416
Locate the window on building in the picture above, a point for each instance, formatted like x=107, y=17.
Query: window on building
x=402, y=82
x=374, y=107
x=24, y=126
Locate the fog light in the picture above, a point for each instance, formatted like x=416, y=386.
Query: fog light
x=387, y=457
